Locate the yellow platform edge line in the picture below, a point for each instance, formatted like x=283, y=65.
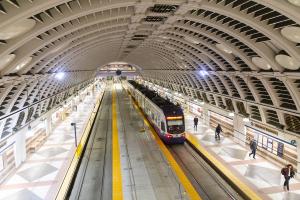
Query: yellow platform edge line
x=189, y=188
x=237, y=182
x=117, y=191
x=63, y=189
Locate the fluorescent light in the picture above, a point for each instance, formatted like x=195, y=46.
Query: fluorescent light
x=203, y=73
x=231, y=114
x=23, y=63
x=41, y=125
x=246, y=119
x=29, y=133
x=60, y=75
x=164, y=37
x=192, y=40
x=224, y=48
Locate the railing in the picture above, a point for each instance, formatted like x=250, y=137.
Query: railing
x=73, y=167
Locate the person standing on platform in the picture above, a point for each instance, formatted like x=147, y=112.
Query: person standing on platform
x=218, y=131
x=253, y=147
x=195, y=123
x=288, y=173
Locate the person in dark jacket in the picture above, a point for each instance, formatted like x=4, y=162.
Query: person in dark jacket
x=253, y=147
x=195, y=123
x=218, y=131
x=288, y=173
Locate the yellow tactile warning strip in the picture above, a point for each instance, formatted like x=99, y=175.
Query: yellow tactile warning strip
x=117, y=191
x=72, y=168
x=237, y=182
x=189, y=188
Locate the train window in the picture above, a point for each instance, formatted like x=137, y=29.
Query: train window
x=175, y=122
x=162, y=126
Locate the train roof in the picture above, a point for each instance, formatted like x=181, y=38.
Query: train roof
x=167, y=106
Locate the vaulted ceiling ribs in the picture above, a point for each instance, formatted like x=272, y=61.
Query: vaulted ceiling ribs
x=237, y=55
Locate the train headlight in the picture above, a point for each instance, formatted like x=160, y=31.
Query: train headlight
x=169, y=136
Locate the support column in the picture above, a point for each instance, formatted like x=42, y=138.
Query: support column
x=48, y=124
x=239, y=129
x=206, y=116
x=20, y=147
x=298, y=155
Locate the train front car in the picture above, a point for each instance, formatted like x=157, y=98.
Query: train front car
x=175, y=125
x=166, y=118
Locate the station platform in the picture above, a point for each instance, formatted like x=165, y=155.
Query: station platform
x=261, y=175
x=41, y=174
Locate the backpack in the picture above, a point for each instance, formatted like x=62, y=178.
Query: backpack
x=282, y=171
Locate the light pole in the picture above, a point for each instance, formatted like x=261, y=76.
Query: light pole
x=74, y=125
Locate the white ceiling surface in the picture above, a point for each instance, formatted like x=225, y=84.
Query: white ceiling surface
x=245, y=46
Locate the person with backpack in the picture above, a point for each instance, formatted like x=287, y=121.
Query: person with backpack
x=288, y=173
x=218, y=131
x=195, y=123
x=253, y=147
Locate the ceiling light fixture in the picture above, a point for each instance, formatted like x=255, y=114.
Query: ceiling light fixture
x=192, y=40
x=295, y=2
x=287, y=62
x=164, y=37
x=292, y=33
x=261, y=63
x=224, y=48
x=23, y=63
x=6, y=60
x=203, y=73
x=246, y=119
x=17, y=28
x=231, y=114
x=60, y=75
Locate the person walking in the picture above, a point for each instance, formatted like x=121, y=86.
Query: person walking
x=253, y=147
x=288, y=173
x=195, y=123
x=218, y=131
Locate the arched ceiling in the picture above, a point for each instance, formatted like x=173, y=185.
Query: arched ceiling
x=241, y=55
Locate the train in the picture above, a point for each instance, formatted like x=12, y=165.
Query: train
x=166, y=117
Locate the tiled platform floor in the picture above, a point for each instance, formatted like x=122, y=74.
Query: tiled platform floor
x=39, y=177
x=259, y=172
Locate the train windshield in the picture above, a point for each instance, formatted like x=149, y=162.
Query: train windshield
x=175, y=122
x=175, y=125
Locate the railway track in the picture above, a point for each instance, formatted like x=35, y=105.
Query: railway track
x=206, y=180
x=90, y=180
